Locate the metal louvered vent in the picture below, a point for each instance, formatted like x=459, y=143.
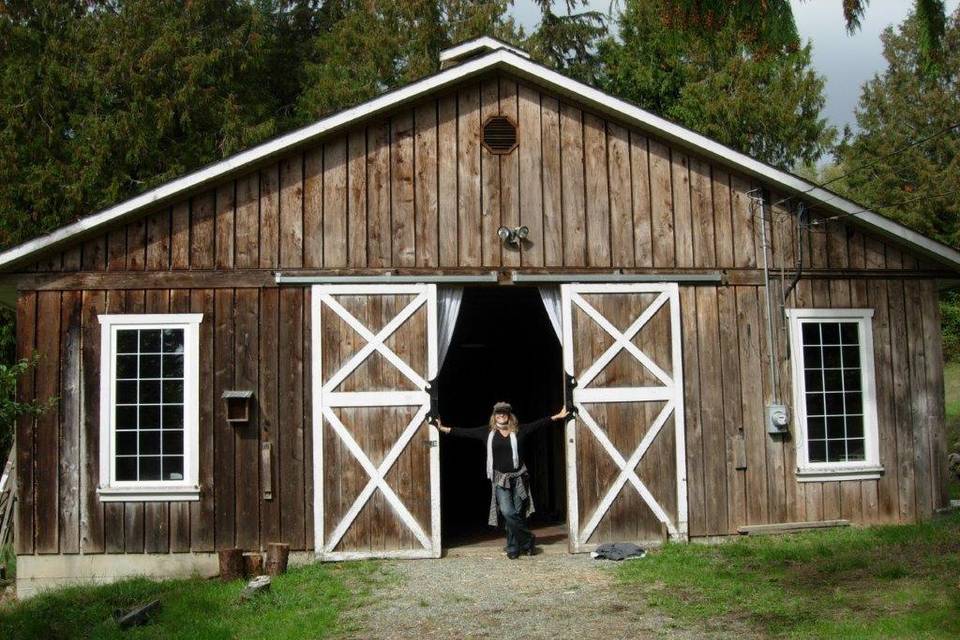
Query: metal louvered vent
x=499, y=135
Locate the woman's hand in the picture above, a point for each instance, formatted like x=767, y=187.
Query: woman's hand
x=560, y=415
x=439, y=425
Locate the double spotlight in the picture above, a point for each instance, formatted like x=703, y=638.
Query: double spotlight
x=513, y=236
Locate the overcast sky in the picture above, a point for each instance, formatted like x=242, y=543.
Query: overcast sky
x=846, y=61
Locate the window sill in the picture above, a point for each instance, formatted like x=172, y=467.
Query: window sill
x=835, y=474
x=149, y=494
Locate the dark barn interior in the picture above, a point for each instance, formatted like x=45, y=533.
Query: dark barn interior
x=503, y=348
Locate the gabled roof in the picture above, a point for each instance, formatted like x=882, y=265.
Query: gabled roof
x=503, y=58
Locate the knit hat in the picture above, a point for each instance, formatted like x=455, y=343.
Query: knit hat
x=502, y=407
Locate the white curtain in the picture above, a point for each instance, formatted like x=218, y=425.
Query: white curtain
x=448, y=308
x=551, y=302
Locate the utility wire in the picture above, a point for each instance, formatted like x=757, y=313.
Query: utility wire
x=823, y=221
x=872, y=163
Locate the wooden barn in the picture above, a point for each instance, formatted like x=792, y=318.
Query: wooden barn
x=251, y=353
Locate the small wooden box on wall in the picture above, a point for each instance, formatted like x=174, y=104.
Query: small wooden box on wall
x=238, y=406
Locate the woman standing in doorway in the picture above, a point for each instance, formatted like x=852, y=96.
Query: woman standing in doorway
x=510, y=482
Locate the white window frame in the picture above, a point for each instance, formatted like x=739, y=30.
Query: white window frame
x=869, y=468
x=188, y=489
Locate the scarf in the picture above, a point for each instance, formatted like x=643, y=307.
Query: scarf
x=513, y=447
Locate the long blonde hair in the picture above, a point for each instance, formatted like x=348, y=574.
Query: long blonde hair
x=511, y=423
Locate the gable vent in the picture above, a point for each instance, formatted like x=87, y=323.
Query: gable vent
x=499, y=135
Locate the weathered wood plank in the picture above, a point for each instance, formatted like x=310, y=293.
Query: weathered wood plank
x=531, y=174
x=156, y=515
x=468, y=176
x=447, y=201
x=509, y=173
x=933, y=351
x=271, y=476
x=696, y=489
x=711, y=412
x=291, y=212
x=224, y=438
x=425, y=185
x=921, y=409
x=733, y=423
x=598, y=194
x=248, y=221
x=313, y=232
x=203, y=514
x=335, y=234
x=69, y=438
x=91, y=518
x=357, y=199
x=26, y=425
x=136, y=246
x=572, y=201
x=552, y=181
x=225, y=224
x=378, y=195
x=202, y=231
x=751, y=404
x=46, y=440
x=270, y=216
x=621, y=194
x=744, y=246
x=661, y=195
x=290, y=427
x=682, y=223
x=179, y=536
x=247, y=459
x=640, y=183
x=113, y=512
x=116, y=251
x=402, y=191
x=133, y=512
x=702, y=215
x=180, y=236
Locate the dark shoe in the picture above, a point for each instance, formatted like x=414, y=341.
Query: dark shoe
x=513, y=555
x=530, y=551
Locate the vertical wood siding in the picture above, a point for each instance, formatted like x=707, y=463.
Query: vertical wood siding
x=416, y=189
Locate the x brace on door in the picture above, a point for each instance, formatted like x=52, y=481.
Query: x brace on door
x=328, y=399
x=669, y=391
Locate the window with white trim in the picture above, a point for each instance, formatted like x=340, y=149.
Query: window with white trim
x=149, y=443
x=834, y=394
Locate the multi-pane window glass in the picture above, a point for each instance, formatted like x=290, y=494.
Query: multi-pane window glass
x=149, y=407
x=833, y=385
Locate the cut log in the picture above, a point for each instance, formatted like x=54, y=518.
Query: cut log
x=231, y=564
x=252, y=564
x=256, y=586
x=789, y=527
x=136, y=617
x=277, y=555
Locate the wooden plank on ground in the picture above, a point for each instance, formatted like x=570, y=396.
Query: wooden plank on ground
x=790, y=527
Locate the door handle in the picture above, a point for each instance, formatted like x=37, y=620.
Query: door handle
x=433, y=414
x=570, y=383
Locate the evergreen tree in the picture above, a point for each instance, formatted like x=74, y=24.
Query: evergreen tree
x=742, y=92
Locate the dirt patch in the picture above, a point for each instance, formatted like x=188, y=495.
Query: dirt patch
x=480, y=597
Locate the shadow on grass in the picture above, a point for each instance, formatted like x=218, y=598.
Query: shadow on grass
x=880, y=582
x=304, y=603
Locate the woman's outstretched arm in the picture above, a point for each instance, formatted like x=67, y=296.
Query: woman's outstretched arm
x=542, y=422
x=475, y=433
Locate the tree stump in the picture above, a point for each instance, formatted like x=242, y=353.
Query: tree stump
x=231, y=564
x=277, y=555
x=252, y=564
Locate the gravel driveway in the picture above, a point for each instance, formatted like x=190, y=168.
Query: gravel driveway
x=484, y=595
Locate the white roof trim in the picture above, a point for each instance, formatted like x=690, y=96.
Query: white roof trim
x=482, y=43
x=519, y=65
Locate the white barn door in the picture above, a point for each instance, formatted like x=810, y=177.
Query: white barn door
x=626, y=469
x=375, y=458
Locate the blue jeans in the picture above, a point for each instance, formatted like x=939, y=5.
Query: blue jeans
x=519, y=537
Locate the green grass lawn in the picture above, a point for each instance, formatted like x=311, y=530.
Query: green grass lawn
x=951, y=383
x=304, y=603
x=878, y=582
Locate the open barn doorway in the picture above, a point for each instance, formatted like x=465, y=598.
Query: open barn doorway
x=503, y=348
